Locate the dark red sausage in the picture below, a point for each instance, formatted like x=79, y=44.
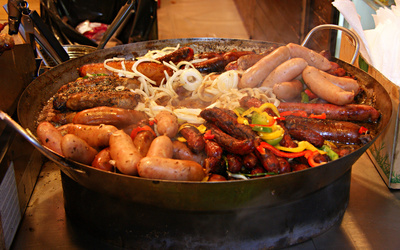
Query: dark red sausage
x=214, y=165
x=250, y=161
x=234, y=163
x=194, y=138
x=269, y=161
x=231, y=144
x=284, y=166
x=213, y=149
x=339, y=131
x=218, y=63
x=226, y=120
x=350, y=112
x=181, y=54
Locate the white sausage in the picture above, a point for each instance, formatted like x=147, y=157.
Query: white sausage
x=49, y=136
x=324, y=89
x=161, y=146
x=345, y=83
x=97, y=136
x=287, y=91
x=167, y=123
x=313, y=58
x=170, y=169
x=124, y=153
x=256, y=74
x=77, y=149
x=285, y=72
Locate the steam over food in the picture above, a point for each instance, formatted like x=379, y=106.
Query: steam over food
x=181, y=115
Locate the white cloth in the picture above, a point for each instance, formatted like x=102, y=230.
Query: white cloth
x=379, y=46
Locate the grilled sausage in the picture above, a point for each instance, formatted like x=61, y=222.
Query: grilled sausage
x=97, y=136
x=350, y=112
x=124, y=153
x=49, y=136
x=143, y=140
x=268, y=161
x=218, y=63
x=339, y=131
x=324, y=89
x=345, y=83
x=194, y=138
x=86, y=100
x=313, y=58
x=167, y=123
x=102, y=160
x=182, y=152
x=110, y=116
x=181, y=54
x=256, y=74
x=234, y=163
x=170, y=169
x=152, y=70
x=213, y=149
x=231, y=144
x=77, y=149
x=287, y=71
x=161, y=146
x=287, y=91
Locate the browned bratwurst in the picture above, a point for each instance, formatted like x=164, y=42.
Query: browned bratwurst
x=111, y=116
x=338, y=131
x=194, y=138
x=350, y=112
x=230, y=143
x=154, y=71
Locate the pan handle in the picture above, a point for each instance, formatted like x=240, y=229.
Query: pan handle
x=350, y=33
x=27, y=134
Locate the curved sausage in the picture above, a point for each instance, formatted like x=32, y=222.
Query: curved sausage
x=124, y=153
x=117, y=117
x=324, y=89
x=256, y=74
x=77, y=149
x=286, y=71
x=350, y=112
x=346, y=83
x=167, y=123
x=287, y=91
x=181, y=54
x=313, y=58
x=97, y=136
x=142, y=141
x=49, y=136
x=194, y=138
x=170, y=169
x=182, y=152
x=154, y=71
x=102, y=160
x=161, y=146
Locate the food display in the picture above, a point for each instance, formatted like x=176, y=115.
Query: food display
x=175, y=114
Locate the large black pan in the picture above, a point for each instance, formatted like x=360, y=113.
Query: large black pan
x=296, y=205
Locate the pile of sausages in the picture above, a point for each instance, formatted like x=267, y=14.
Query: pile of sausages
x=283, y=68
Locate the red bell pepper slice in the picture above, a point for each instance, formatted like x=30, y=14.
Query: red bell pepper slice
x=263, y=145
x=362, y=130
x=310, y=94
x=208, y=135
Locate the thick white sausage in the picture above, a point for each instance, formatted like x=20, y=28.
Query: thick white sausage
x=346, y=83
x=77, y=149
x=124, y=153
x=49, y=136
x=287, y=91
x=170, y=169
x=97, y=136
x=161, y=146
x=285, y=72
x=313, y=58
x=167, y=123
x=324, y=89
x=256, y=74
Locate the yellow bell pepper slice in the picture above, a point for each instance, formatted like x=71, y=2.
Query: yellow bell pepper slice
x=278, y=131
x=303, y=145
